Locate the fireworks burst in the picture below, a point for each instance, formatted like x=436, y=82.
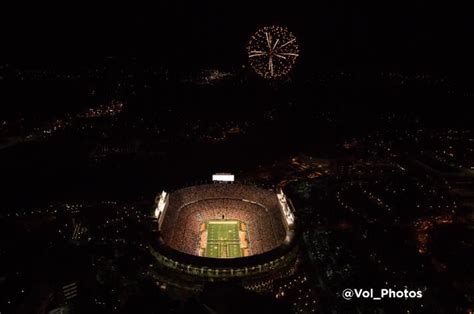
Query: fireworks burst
x=272, y=51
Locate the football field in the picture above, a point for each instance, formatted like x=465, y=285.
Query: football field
x=223, y=239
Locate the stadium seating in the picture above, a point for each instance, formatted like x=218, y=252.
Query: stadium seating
x=190, y=207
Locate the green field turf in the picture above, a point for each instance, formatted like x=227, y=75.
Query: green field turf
x=223, y=239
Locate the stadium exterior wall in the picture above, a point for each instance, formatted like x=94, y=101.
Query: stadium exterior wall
x=213, y=269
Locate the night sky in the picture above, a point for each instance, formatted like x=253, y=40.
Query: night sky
x=411, y=35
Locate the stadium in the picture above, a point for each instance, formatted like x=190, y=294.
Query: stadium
x=224, y=231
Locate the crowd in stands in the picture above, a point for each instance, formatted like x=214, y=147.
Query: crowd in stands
x=190, y=207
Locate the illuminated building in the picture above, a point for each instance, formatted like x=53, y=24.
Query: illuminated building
x=189, y=254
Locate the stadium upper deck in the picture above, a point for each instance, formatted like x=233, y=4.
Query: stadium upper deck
x=185, y=210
